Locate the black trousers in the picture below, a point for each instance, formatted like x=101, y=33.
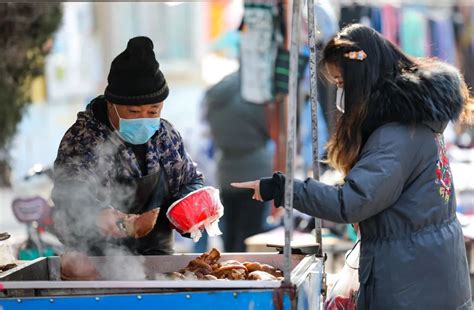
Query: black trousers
x=243, y=217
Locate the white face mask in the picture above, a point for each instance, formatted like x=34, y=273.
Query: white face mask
x=340, y=98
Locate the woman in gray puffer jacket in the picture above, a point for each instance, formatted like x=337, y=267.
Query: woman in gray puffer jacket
x=398, y=184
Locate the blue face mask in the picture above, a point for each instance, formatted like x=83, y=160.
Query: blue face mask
x=137, y=130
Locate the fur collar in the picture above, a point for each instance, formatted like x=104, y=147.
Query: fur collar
x=429, y=95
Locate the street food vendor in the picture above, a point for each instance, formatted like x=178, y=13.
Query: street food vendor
x=120, y=158
x=398, y=185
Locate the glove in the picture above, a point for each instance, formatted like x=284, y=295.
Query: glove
x=273, y=188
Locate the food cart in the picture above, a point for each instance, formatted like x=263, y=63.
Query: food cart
x=37, y=285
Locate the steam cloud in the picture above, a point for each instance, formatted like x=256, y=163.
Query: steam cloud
x=80, y=193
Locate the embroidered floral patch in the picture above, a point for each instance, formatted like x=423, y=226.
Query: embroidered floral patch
x=443, y=172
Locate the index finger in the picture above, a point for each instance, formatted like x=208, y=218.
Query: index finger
x=249, y=184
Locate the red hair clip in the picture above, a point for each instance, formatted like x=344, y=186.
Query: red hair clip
x=356, y=55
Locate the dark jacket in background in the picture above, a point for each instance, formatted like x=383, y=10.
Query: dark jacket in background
x=241, y=137
x=240, y=133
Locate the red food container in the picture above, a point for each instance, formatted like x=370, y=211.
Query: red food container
x=197, y=211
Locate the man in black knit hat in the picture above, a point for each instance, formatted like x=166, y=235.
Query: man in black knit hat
x=121, y=158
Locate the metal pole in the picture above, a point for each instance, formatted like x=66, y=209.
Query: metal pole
x=314, y=105
x=291, y=135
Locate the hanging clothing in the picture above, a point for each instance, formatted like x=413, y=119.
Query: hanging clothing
x=259, y=42
x=376, y=18
x=390, y=23
x=443, y=45
x=366, y=17
x=414, y=32
x=326, y=21
x=465, y=42
x=350, y=14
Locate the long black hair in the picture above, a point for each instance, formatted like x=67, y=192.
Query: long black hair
x=384, y=60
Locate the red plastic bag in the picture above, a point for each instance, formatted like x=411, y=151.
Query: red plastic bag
x=343, y=296
x=197, y=211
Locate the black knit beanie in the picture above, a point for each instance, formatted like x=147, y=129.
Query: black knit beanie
x=135, y=77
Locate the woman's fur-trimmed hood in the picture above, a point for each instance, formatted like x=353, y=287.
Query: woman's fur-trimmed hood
x=431, y=95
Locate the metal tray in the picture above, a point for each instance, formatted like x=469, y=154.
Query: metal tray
x=41, y=277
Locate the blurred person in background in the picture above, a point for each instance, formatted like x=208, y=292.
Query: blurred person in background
x=398, y=184
x=121, y=158
x=241, y=138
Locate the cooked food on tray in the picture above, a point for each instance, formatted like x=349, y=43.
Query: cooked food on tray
x=208, y=267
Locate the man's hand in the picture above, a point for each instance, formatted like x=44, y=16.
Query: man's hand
x=107, y=223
